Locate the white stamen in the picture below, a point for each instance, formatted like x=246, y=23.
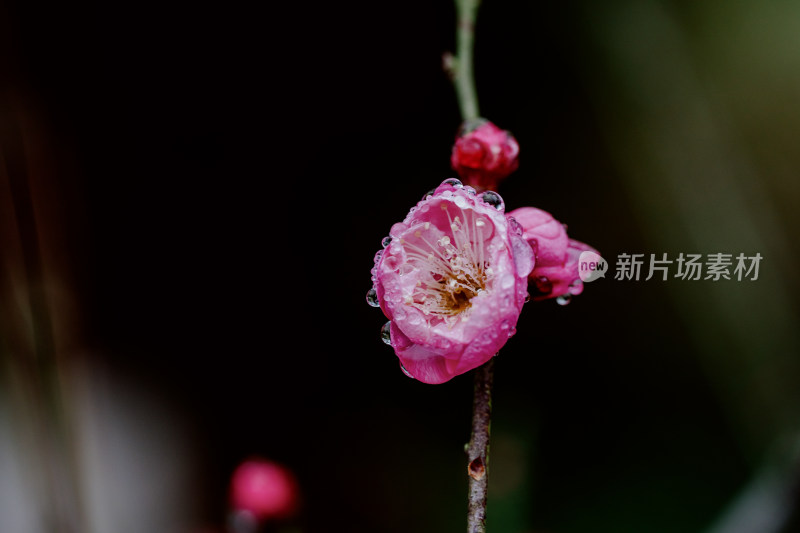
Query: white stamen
x=453, y=271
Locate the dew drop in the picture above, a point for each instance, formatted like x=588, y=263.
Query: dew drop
x=406, y=372
x=453, y=182
x=378, y=256
x=372, y=298
x=386, y=240
x=564, y=299
x=470, y=190
x=428, y=194
x=516, y=227
x=527, y=297
x=386, y=335
x=542, y=285
x=575, y=287
x=493, y=199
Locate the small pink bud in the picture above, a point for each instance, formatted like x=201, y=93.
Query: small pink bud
x=263, y=488
x=555, y=274
x=483, y=154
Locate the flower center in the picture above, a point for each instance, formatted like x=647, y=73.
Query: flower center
x=453, y=268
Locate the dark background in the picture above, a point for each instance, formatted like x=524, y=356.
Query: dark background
x=224, y=174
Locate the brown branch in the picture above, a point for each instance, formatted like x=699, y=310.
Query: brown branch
x=478, y=448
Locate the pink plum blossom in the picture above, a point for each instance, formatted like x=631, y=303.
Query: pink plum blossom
x=452, y=279
x=556, y=272
x=483, y=154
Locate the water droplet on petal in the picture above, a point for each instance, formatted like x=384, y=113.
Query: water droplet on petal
x=527, y=297
x=428, y=194
x=386, y=335
x=516, y=227
x=470, y=190
x=372, y=298
x=576, y=287
x=378, y=256
x=493, y=199
x=406, y=372
x=542, y=286
x=453, y=182
x=385, y=242
x=564, y=299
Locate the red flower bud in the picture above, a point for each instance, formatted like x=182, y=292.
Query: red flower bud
x=265, y=489
x=483, y=154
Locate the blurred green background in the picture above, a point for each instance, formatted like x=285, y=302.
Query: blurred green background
x=192, y=196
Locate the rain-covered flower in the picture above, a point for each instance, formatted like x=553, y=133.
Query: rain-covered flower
x=452, y=279
x=263, y=490
x=556, y=272
x=483, y=154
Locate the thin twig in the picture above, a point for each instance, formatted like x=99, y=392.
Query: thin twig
x=478, y=448
x=462, y=74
